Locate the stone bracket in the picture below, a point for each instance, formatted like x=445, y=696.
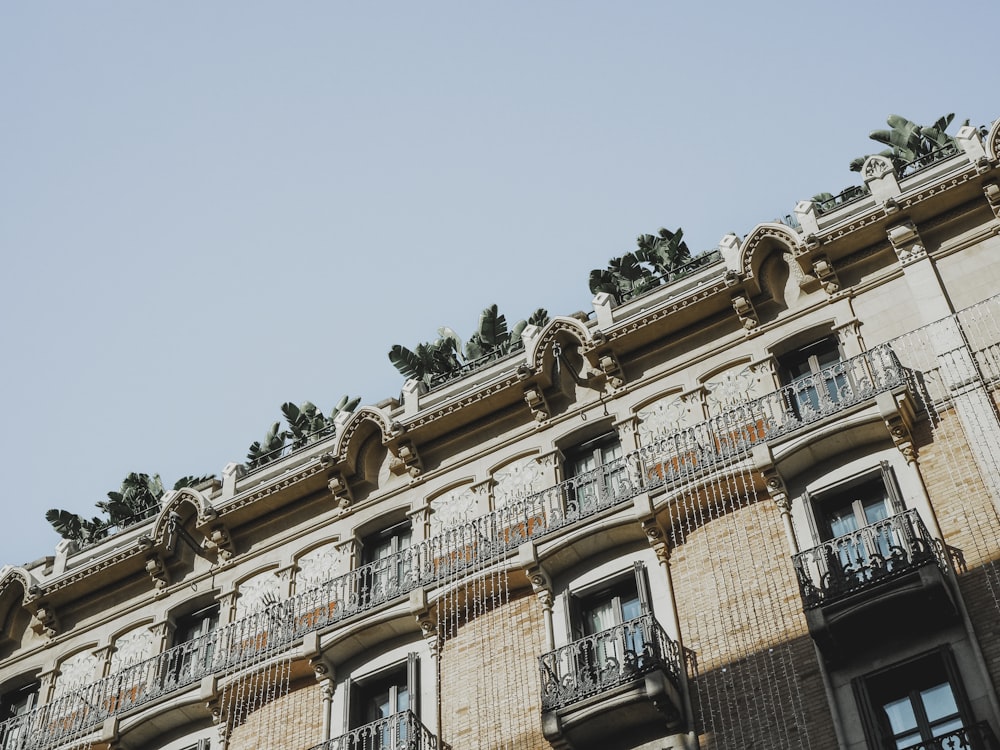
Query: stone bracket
x=824, y=271
x=992, y=191
x=406, y=459
x=534, y=397
x=905, y=239
x=898, y=413
x=340, y=489
x=745, y=310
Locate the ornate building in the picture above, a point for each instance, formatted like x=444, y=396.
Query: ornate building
x=752, y=506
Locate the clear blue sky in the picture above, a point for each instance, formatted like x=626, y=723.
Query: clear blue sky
x=210, y=208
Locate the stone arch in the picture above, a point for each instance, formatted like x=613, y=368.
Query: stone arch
x=358, y=429
x=993, y=142
x=760, y=243
x=186, y=502
x=562, y=330
x=15, y=617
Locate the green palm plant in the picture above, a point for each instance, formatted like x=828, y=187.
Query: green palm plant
x=267, y=450
x=446, y=355
x=306, y=423
x=665, y=251
x=908, y=141
x=137, y=498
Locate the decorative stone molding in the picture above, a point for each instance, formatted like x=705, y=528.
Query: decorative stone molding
x=534, y=397
x=219, y=539
x=158, y=572
x=340, y=489
x=880, y=177
x=43, y=619
x=899, y=414
x=775, y=485
x=611, y=368
x=745, y=310
x=992, y=191
x=426, y=618
x=824, y=271
x=805, y=214
x=406, y=460
x=906, y=242
x=971, y=143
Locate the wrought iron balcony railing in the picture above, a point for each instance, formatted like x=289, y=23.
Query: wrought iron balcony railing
x=605, y=660
x=865, y=558
x=977, y=737
x=402, y=731
x=678, y=457
x=845, y=197
x=927, y=160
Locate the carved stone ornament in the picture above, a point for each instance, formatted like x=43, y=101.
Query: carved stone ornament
x=319, y=565
x=453, y=509
x=406, y=460
x=340, y=489
x=131, y=648
x=43, y=619
x=992, y=191
x=824, y=271
x=535, y=399
x=75, y=672
x=157, y=572
x=664, y=417
x=732, y=387
x=876, y=167
x=219, y=539
x=610, y=366
x=906, y=242
x=899, y=431
x=776, y=489
x=516, y=481
x=746, y=312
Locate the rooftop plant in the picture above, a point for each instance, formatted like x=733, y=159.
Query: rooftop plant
x=634, y=273
x=908, y=141
x=306, y=424
x=137, y=498
x=446, y=355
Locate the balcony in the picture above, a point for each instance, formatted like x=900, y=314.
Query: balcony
x=402, y=731
x=977, y=737
x=623, y=680
x=872, y=582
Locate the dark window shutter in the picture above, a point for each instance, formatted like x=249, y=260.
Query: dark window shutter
x=413, y=681
x=642, y=587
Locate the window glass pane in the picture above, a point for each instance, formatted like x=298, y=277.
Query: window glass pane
x=610, y=452
x=939, y=702
x=600, y=616
x=630, y=608
x=876, y=509
x=842, y=520
x=900, y=715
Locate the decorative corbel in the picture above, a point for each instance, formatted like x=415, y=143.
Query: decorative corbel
x=534, y=397
x=340, y=489
x=992, y=191
x=898, y=415
x=219, y=539
x=745, y=310
x=157, y=571
x=657, y=539
x=906, y=242
x=824, y=271
x=406, y=459
x=426, y=618
x=776, y=489
x=609, y=365
x=43, y=619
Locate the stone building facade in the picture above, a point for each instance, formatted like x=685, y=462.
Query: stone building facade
x=753, y=507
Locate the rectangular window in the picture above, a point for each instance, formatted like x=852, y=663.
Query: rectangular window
x=14, y=703
x=852, y=515
x=915, y=703
x=597, y=473
x=192, y=659
x=812, y=376
x=605, y=616
x=380, y=707
x=385, y=564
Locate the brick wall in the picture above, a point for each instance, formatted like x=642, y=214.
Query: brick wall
x=758, y=682
x=292, y=720
x=490, y=691
x=968, y=519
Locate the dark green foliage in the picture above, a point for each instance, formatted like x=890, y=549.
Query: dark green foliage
x=908, y=141
x=440, y=358
x=306, y=424
x=137, y=498
x=657, y=258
